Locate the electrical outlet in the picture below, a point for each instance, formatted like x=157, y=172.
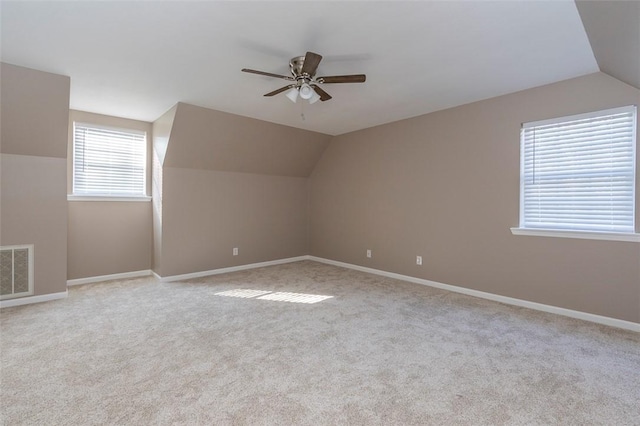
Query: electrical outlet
x=235, y=251
x=368, y=253
x=418, y=260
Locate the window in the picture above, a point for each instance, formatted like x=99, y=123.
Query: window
x=577, y=174
x=109, y=162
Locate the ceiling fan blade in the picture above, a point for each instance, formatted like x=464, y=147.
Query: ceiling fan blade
x=324, y=96
x=268, y=74
x=310, y=64
x=355, y=78
x=280, y=90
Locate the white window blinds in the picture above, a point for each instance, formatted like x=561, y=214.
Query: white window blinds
x=108, y=162
x=578, y=172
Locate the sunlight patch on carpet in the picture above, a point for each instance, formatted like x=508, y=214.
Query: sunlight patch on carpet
x=274, y=296
x=241, y=292
x=295, y=297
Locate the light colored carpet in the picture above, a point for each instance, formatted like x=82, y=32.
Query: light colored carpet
x=379, y=351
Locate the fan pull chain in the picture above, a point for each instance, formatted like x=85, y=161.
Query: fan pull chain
x=302, y=116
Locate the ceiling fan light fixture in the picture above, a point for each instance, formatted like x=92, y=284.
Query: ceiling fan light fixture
x=292, y=94
x=306, y=91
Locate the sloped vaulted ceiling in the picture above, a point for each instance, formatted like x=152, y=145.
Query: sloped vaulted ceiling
x=613, y=28
x=136, y=59
x=203, y=138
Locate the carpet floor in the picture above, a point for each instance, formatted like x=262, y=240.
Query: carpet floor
x=307, y=343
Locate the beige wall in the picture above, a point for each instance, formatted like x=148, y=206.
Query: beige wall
x=108, y=237
x=161, y=135
x=208, y=213
x=34, y=106
x=34, y=114
x=229, y=181
x=446, y=186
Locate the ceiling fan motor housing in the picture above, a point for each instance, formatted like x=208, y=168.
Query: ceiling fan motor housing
x=296, y=66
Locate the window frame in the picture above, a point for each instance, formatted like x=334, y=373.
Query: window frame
x=74, y=196
x=632, y=236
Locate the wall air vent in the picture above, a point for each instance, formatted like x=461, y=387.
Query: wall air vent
x=16, y=271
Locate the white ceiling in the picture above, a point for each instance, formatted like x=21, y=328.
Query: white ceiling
x=138, y=59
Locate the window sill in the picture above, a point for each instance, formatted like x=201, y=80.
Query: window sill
x=586, y=235
x=142, y=198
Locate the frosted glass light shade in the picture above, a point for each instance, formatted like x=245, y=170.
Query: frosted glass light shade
x=314, y=98
x=306, y=91
x=292, y=94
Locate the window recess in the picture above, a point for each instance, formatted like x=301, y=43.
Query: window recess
x=578, y=174
x=108, y=162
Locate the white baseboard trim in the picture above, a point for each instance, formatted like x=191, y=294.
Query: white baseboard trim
x=33, y=299
x=613, y=322
x=230, y=269
x=100, y=278
x=156, y=276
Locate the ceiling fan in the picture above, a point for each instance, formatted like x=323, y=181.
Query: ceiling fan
x=304, y=83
